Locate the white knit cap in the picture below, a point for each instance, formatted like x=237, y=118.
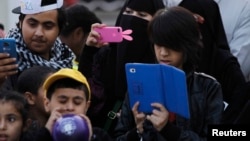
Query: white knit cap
x=35, y=6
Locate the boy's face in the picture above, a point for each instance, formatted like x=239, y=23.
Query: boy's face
x=40, y=31
x=72, y=101
x=168, y=56
x=11, y=122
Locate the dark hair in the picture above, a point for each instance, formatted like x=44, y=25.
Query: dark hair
x=17, y=100
x=177, y=29
x=1, y=26
x=79, y=16
x=32, y=79
x=67, y=83
x=61, y=19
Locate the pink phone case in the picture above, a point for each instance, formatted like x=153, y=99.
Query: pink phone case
x=110, y=34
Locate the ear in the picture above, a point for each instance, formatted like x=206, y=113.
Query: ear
x=47, y=105
x=30, y=98
x=78, y=33
x=87, y=106
x=20, y=24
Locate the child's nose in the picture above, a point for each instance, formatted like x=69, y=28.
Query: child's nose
x=2, y=124
x=70, y=107
x=164, y=52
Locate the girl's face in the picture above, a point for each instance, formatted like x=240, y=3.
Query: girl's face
x=11, y=122
x=40, y=32
x=168, y=56
x=140, y=14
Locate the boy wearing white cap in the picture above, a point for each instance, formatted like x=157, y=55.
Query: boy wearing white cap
x=37, y=43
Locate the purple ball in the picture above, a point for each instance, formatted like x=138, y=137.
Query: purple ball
x=70, y=128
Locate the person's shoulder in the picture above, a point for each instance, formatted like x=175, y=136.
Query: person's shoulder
x=204, y=75
x=100, y=134
x=59, y=45
x=204, y=78
x=204, y=82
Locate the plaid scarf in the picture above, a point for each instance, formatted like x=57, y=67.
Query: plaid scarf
x=61, y=55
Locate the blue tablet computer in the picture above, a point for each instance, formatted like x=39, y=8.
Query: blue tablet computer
x=148, y=83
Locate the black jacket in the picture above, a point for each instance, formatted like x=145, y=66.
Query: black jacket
x=206, y=107
x=43, y=134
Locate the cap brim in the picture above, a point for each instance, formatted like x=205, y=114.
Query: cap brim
x=52, y=79
x=17, y=10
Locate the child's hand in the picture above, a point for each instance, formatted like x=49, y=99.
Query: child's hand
x=139, y=117
x=159, y=116
x=93, y=38
x=89, y=125
x=55, y=114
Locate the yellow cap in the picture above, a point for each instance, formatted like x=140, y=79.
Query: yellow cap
x=66, y=73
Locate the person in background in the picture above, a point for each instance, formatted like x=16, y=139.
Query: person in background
x=2, y=32
x=67, y=3
x=237, y=28
x=106, y=75
x=29, y=84
x=216, y=58
x=37, y=41
x=78, y=25
x=211, y=26
x=177, y=45
x=14, y=115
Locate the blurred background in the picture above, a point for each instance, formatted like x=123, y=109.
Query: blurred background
x=106, y=10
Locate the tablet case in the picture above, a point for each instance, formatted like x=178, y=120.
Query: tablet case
x=165, y=84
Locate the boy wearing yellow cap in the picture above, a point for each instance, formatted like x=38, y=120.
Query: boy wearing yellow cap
x=67, y=92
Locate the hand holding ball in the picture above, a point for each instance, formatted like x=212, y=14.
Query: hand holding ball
x=71, y=128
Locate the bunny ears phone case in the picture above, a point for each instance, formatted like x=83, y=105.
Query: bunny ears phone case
x=113, y=34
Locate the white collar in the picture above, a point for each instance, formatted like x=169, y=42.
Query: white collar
x=171, y=3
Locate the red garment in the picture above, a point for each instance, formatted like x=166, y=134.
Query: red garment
x=69, y=2
x=171, y=117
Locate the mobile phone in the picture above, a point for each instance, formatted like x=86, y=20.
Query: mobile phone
x=8, y=45
x=111, y=34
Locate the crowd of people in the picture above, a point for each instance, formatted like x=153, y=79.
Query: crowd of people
x=62, y=67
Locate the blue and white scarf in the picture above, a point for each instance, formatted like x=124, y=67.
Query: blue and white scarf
x=61, y=55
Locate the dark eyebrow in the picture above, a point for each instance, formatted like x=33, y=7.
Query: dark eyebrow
x=13, y=115
x=78, y=97
x=62, y=96
x=32, y=19
x=35, y=20
x=49, y=22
